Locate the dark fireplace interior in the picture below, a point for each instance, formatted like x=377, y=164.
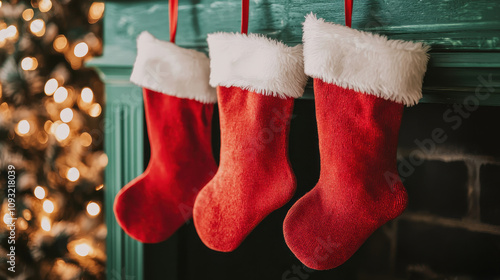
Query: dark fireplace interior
x=449, y=161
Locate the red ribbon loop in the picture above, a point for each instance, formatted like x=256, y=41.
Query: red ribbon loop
x=172, y=17
x=348, y=12
x=245, y=6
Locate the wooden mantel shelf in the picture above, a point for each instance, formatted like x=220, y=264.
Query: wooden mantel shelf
x=465, y=59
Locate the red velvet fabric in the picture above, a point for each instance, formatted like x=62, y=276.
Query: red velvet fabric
x=358, y=137
x=154, y=205
x=254, y=176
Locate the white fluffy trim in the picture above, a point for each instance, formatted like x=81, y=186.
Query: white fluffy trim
x=365, y=62
x=256, y=63
x=164, y=67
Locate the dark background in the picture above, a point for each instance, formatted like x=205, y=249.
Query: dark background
x=450, y=230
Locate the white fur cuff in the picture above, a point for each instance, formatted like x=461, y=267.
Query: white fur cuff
x=256, y=63
x=164, y=67
x=365, y=62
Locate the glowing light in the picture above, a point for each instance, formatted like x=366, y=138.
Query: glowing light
x=66, y=115
x=23, y=225
x=47, y=125
x=45, y=224
x=51, y=86
x=100, y=187
x=54, y=126
x=83, y=249
x=73, y=174
x=60, y=95
x=60, y=43
x=23, y=127
x=39, y=192
x=103, y=159
x=29, y=63
x=27, y=214
x=28, y=14
x=11, y=31
x=44, y=5
x=62, y=132
x=95, y=110
x=93, y=209
x=48, y=206
x=81, y=49
x=87, y=95
x=85, y=139
x=96, y=11
x=42, y=137
x=37, y=27
x=7, y=219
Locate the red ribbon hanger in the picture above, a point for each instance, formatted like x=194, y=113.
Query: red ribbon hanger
x=172, y=17
x=348, y=12
x=245, y=6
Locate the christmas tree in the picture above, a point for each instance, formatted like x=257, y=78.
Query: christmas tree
x=51, y=137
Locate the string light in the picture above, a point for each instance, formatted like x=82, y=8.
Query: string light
x=103, y=159
x=44, y=6
x=51, y=86
x=62, y=132
x=27, y=214
x=23, y=127
x=8, y=33
x=42, y=137
x=95, y=110
x=37, y=27
x=7, y=219
x=100, y=187
x=66, y=115
x=39, y=192
x=81, y=49
x=60, y=95
x=29, y=63
x=28, y=14
x=73, y=174
x=93, y=209
x=54, y=126
x=85, y=139
x=87, y=95
x=96, y=11
x=60, y=43
x=48, y=206
x=83, y=249
x=45, y=224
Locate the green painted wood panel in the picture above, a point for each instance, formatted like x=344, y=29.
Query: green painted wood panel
x=464, y=35
x=465, y=60
x=124, y=144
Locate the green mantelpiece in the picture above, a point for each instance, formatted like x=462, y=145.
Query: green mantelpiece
x=465, y=57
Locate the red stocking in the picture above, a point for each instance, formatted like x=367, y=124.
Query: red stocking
x=361, y=83
x=178, y=103
x=257, y=80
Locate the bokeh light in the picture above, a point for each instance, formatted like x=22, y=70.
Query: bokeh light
x=66, y=115
x=23, y=127
x=51, y=86
x=48, y=206
x=93, y=209
x=37, y=27
x=81, y=49
x=73, y=174
x=87, y=95
x=60, y=95
x=62, y=132
x=29, y=63
x=95, y=110
x=39, y=192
